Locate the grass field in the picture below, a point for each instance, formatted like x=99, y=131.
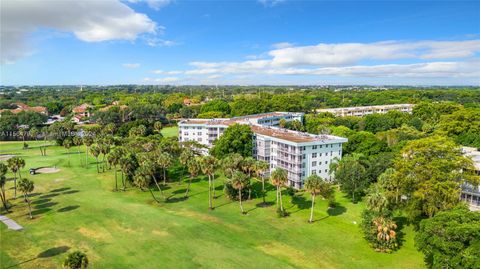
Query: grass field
x=77, y=209
x=170, y=131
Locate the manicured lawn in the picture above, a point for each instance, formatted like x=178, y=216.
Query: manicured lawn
x=77, y=209
x=170, y=131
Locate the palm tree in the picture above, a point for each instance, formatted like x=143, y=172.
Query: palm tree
x=278, y=178
x=87, y=141
x=232, y=163
x=77, y=141
x=208, y=164
x=157, y=127
x=3, y=180
x=193, y=168
x=129, y=164
x=46, y=134
x=164, y=160
x=95, y=151
x=239, y=181
x=23, y=132
x=376, y=200
x=142, y=179
x=248, y=166
x=104, y=149
x=34, y=133
x=15, y=164
x=150, y=167
x=314, y=184
x=113, y=159
x=186, y=156
x=26, y=187
x=67, y=143
x=260, y=167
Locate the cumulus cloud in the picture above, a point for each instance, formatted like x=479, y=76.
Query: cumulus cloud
x=165, y=80
x=131, y=65
x=270, y=3
x=154, y=4
x=89, y=21
x=430, y=59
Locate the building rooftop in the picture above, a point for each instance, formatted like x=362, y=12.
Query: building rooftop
x=289, y=135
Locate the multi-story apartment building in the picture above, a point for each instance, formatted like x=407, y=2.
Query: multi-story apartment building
x=471, y=194
x=300, y=154
x=361, y=111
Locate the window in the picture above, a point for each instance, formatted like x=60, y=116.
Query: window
x=326, y=162
x=199, y=139
x=303, y=156
x=314, y=147
x=199, y=133
x=186, y=133
x=320, y=146
x=314, y=164
x=314, y=155
x=320, y=154
x=314, y=172
x=326, y=170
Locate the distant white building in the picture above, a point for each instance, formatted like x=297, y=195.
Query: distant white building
x=471, y=194
x=360, y=111
x=300, y=154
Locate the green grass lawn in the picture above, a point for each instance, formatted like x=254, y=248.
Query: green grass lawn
x=170, y=131
x=77, y=209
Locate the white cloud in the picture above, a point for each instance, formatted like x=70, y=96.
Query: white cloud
x=167, y=80
x=131, y=65
x=159, y=42
x=154, y=4
x=351, y=53
x=89, y=21
x=174, y=72
x=282, y=45
x=428, y=57
x=270, y=3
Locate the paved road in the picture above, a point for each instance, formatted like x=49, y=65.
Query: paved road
x=11, y=224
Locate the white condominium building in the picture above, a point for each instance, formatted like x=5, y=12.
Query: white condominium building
x=360, y=111
x=300, y=154
x=471, y=194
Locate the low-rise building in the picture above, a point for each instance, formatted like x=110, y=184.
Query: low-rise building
x=82, y=111
x=300, y=154
x=23, y=107
x=360, y=111
x=470, y=193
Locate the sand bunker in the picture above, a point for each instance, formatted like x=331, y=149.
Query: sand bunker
x=47, y=170
x=4, y=157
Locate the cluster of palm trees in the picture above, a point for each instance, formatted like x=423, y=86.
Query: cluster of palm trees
x=24, y=185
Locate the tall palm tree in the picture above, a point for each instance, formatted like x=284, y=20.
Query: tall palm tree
x=3, y=180
x=376, y=200
x=87, y=141
x=67, y=143
x=186, y=155
x=95, y=151
x=239, y=180
x=46, y=135
x=193, y=168
x=260, y=167
x=77, y=141
x=129, y=164
x=26, y=187
x=208, y=164
x=164, y=160
x=23, y=132
x=15, y=164
x=278, y=178
x=34, y=133
x=142, y=180
x=313, y=184
x=150, y=167
x=113, y=159
x=248, y=166
x=104, y=148
x=231, y=163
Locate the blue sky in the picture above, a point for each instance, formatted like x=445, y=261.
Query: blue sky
x=240, y=42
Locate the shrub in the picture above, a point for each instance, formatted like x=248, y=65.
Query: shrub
x=380, y=231
x=76, y=260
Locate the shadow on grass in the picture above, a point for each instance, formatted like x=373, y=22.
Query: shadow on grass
x=301, y=202
x=60, y=189
x=224, y=204
x=68, y=208
x=179, y=191
x=70, y=192
x=266, y=204
x=40, y=211
x=45, y=205
x=173, y=199
x=337, y=210
x=49, y=195
x=401, y=222
x=53, y=252
x=41, y=201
